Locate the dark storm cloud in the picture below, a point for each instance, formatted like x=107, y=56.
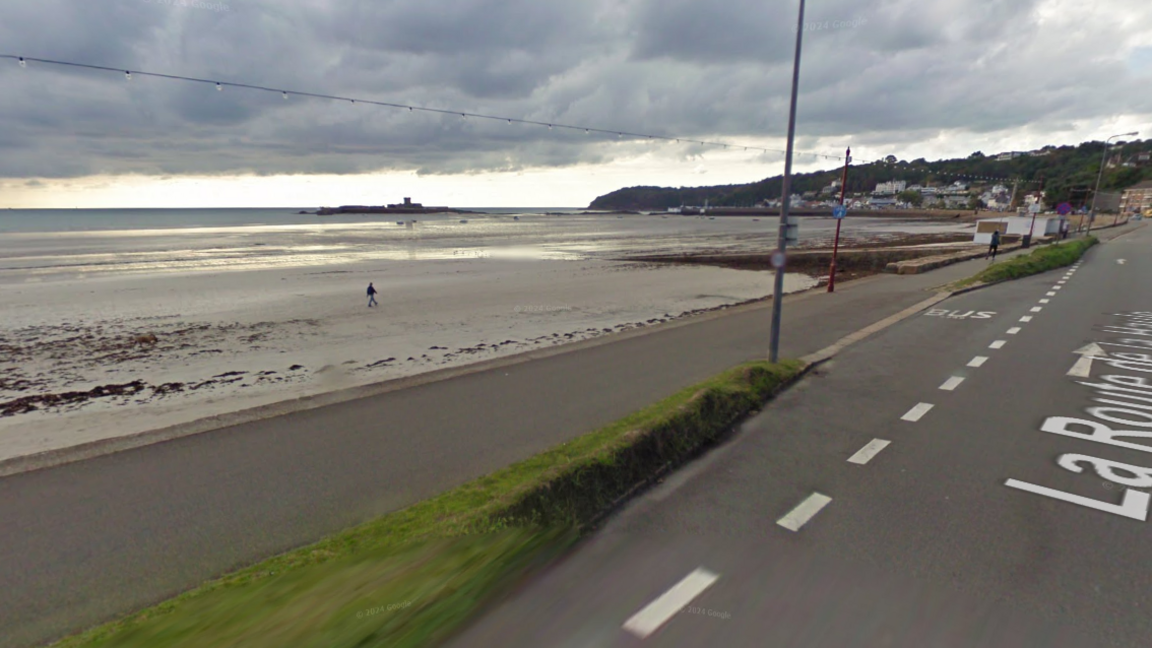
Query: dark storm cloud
x=880, y=72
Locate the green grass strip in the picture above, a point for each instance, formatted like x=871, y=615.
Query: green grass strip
x=412, y=577
x=1039, y=260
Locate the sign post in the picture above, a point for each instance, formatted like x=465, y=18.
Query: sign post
x=839, y=212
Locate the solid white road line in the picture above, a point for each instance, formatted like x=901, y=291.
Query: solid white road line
x=865, y=454
x=1014, y=330
x=1045, y=301
x=657, y=613
x=915, y=413
x=1037, y=309
x=803, y=512
x=998, y=344
x=1026, y=318
x=977, y=361
x=952, y=383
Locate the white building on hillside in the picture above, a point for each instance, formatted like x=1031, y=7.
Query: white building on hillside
x=889, y=188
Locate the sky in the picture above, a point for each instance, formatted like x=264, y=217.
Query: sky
x=914, y=79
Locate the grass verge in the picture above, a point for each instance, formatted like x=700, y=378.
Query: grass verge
x=1039, y=260
x=414, y=576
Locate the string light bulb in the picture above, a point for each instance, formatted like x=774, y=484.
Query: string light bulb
x=284, y=94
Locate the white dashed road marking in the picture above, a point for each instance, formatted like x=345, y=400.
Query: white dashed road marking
x=657, y=613
x=998, y=344
x=1026, y=318
x=865, y=454
x=977, y=361
x=1037, y=309
x=1045, y=301
x=1014, y=330
x=915, y=413
x=803, y=512
x=952, y=383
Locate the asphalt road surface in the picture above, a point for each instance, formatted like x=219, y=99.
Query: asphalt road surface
x=946, y=482
x=84, y=542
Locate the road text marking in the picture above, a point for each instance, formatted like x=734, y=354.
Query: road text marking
x=977, y=361
x=805, y=511
x=865, y=454
x=1014, y=330
x=1133, y=505
x=657, y=613
x=952, y=383
x=915, y=413
x=998, y=344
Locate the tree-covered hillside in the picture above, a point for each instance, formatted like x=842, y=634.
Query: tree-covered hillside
x=1068, y=173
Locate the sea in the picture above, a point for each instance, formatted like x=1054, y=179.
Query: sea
x=43, y=244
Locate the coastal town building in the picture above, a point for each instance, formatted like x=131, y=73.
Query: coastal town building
x=1137, y=199
x=998, y=197
x=890, y=188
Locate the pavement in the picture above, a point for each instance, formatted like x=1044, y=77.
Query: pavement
x=85, y=542
x=945, y=482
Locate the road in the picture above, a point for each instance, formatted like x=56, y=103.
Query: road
x=85, y=542
x=943, y=483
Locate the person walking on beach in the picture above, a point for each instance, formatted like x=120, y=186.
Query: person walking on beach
x=995, y=246
x=371, y=295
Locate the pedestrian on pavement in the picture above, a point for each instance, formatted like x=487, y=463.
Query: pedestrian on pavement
x=1064, y=228
x=371, y=295
x=995, y=246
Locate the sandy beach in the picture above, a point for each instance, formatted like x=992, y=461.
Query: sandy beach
x=123, y=332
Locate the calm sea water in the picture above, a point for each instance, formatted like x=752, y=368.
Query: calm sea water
x=88, y=220
x=40, y=244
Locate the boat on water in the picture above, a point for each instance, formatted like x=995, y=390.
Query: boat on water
x=464, y=220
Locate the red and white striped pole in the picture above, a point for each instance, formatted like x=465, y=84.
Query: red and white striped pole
x=836, y=243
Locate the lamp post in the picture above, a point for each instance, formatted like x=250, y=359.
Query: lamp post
x=1103, y=157
x=780, y=257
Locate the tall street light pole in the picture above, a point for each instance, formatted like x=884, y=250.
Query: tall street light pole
x=778, y=259
x=1103, y=157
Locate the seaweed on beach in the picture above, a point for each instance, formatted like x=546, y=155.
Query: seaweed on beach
x=27, y=404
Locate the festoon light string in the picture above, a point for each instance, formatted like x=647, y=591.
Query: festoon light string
x=464, y=115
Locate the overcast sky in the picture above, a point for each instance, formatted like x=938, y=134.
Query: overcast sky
x=924, y=78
